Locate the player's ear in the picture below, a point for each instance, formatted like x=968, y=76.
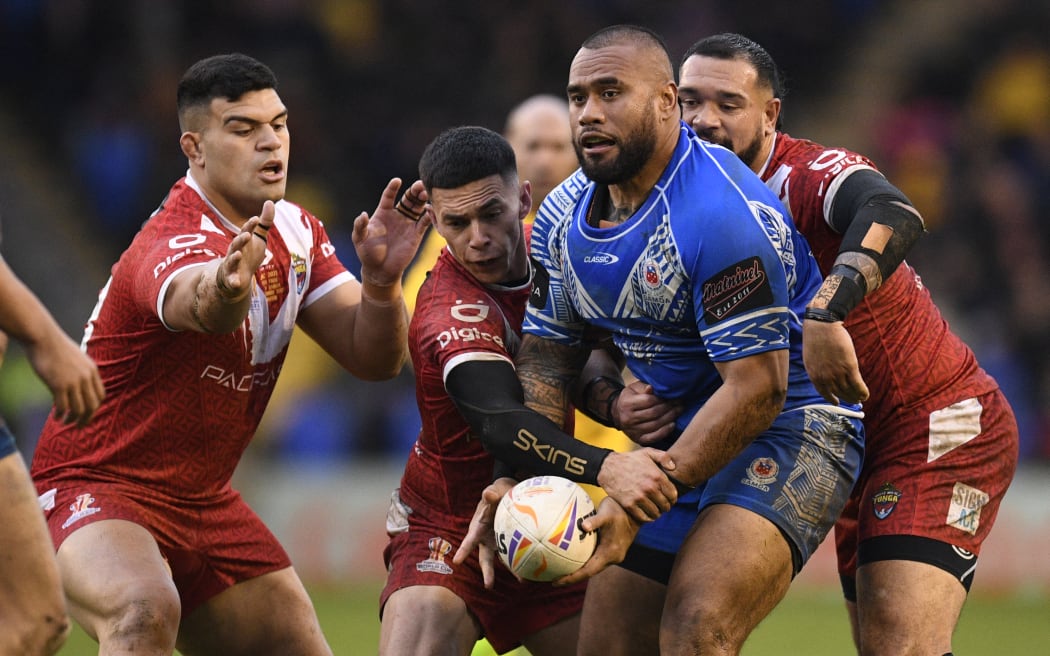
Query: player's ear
x=668, y=101
x=772, y=115
x=525, y=198
x=190, y=142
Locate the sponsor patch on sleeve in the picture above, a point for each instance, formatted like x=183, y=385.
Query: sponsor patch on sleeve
x=736, y=289
x=541, y=281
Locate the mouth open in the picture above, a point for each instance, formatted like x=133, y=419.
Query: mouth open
x=273, y=171
x=594, y=142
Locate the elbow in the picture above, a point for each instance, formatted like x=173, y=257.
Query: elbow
x=771, y=403
x=383, y=371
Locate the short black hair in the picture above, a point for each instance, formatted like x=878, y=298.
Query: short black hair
x=633, y=34
x=228, y=76
x=729, y=45
x=461, y=155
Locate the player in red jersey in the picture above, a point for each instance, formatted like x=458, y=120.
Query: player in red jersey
x=157, y=551
x=32, y=609
x=941, y=438
x=464, y=333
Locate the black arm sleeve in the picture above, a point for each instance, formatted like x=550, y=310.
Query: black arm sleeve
x=866, y=198
x=489, y=396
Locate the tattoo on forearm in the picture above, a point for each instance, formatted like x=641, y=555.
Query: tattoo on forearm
x=826, y=292
x=547, y=372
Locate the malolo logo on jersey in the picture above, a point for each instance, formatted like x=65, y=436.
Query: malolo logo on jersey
x=737, y=288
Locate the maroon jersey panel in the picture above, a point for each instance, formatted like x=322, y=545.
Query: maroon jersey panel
x=908, y=356
x=457, y=319
x=181, y=407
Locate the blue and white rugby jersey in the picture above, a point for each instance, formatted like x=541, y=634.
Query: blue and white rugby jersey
x=709, y=269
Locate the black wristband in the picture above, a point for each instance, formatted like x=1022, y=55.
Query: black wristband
x=850, y=292
x=820, y=314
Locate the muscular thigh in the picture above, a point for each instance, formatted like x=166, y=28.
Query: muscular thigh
x=732, y=570
x=268, y=614
x=621, y=614
x=109, y=565
x=28, y=572
x=208, y=545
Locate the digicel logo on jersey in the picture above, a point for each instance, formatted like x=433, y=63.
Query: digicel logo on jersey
x=172, y=259
x=186, y=243
x=453, y=334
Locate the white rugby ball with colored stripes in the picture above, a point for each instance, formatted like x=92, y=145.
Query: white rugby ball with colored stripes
x=538, y=532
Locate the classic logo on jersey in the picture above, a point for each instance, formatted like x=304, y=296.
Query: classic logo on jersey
x=761, y=473
x=601, y=258
x=964, y=511
x=435, y=562
x=541, y=281
x=885, y=500
x=80, y=509
x=736, y=289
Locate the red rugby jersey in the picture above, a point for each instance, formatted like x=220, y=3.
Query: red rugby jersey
x=181, y=407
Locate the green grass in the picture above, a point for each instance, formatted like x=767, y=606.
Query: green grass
x=810, y=622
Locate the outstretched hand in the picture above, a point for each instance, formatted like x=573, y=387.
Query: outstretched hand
x=831, y=361
x=245, y=255
x=387, y=240
x=616, y=531
x=481, y=534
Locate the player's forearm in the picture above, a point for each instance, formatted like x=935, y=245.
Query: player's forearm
x=744, y=406
x=489, y=396
x=380, y=332
x=548, y=373
x=203, y=299
x=22, y=315
x=723, y=428
x=879, y=227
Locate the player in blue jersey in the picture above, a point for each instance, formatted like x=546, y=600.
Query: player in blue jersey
x=681, y=253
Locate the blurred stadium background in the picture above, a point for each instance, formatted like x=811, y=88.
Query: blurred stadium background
x=950, y=97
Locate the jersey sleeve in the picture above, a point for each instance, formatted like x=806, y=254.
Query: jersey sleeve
x=551, y=313
x=816, y=173
x=164, y=249
x=742, y=283
x=456, y=323
x=326, y=270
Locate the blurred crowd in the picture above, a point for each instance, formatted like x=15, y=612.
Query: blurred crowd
x=368, y=83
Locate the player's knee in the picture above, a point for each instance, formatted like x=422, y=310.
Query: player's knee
x=150, y=617
x=700, y=626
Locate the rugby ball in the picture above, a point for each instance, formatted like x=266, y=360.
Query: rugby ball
x=537, y=524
